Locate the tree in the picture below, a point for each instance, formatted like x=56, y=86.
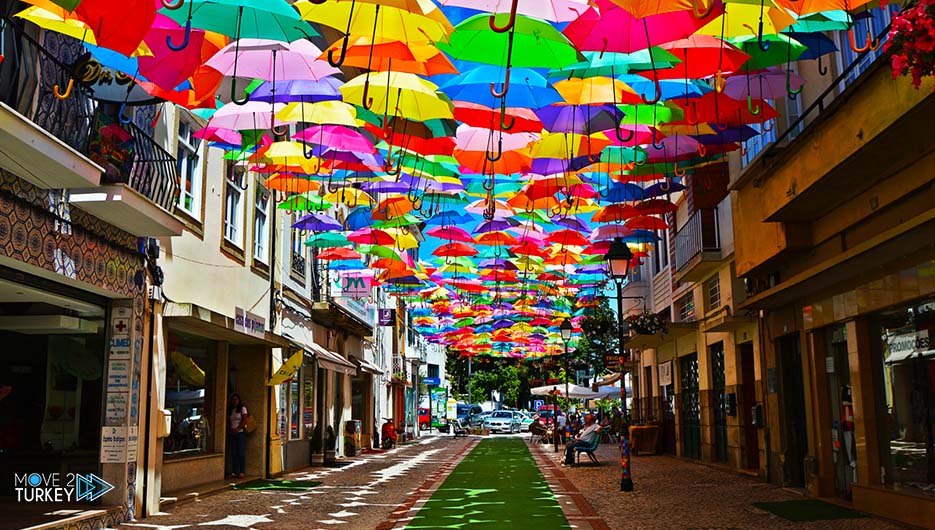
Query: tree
x=599, y=337
x=503, y=378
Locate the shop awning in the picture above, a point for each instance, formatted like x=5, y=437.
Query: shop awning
x=201, y=322
x=332, y=361
x=367, y=366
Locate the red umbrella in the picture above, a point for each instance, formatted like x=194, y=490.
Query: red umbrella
x=616, y=212
x=338, y=253
x=455, y=249
x=371, y=236
x=655, y=207
x=646, y=222
x=568, y=238
x=119, y=25
x=477, y=115
x=451, y=233
x=702, y=56
x=723, y=112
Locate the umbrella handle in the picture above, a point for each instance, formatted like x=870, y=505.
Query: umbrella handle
x=506, y=87
x=658, y=95
x=365, y=100
x=280, y=130
x=120, y=114
x=665, y=185
x=172, y=7
x=702, y=150
x=338, y=62
x=763, y=44
x=499, y=154
x=486, y=186
x=618, y=119
x=332, y=186
x=869, y=44
x=677, y=171
x=68, y=87
x=822, y=70
x=694, y=115
x=743, y=149
x=391, y=167
x=510, y=23
x=504, y=126
x=699, y=13
x=719, y=81
x=637, y=161
x=308, y=153
x=753, y=110
x=792, y=93
x=188, y=34
x=653, y=140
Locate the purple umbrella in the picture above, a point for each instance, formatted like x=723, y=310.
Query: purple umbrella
x=578, y=119
x=317, y=222
x=574, y=223
x=494, y=225
x=306, y=91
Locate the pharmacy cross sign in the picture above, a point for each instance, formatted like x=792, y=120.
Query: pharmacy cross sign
x=120, y=326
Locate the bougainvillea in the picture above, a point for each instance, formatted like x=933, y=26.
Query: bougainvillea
x=911, y=43
x=646, y=323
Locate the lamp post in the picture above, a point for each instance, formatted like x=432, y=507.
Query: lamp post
x=566, y=329
x=618, y=258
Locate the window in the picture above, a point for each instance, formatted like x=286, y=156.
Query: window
x=260, y=216
x=433, y=371
x=190, y=372
x=712, y=289
x=295, y=403
x=686, y=307
x=760, y=141
x=661, y=251
x=233, y=212
x=298, y=253
x=878, y=19
x=190, y=167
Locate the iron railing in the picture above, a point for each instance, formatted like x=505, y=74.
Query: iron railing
x=700, y=234
x=150, y=170
x=29, y=75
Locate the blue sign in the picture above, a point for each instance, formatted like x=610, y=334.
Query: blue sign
x=432, y=381
x=537, y=404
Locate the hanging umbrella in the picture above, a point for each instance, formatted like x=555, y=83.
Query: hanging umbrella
x=327, y=240
x=337, y=254
x=322, y=113
x=317, y=222
x=272, y=60
x=772, y=83
x=553, y=10
x=397, y=56
x=405, y=94
x=242, y=19
x=299, y=90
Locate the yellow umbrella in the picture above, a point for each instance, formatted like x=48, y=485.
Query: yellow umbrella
x=391, y=23
x=320, y=113
x=55, y=18
x=288, y=369
x=404, y=240
x=596, y=90
x=399, y=94
x=352, y=197
x=741, y=19
x=560, y=145
x=291, y=154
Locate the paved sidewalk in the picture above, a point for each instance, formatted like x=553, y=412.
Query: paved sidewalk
x=675, y=494
x=361, y=495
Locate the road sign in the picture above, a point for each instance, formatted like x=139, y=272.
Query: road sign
x=537, y=404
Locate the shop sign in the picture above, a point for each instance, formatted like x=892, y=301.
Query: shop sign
x=249, y=324
x=118, y=375
x=133, y=436
x=387, y=317
x=113, y=445
x=612, y=361
x=350, y=285
x=115, y=412
x=451, y=409
x=432, y=381
x=665, y=373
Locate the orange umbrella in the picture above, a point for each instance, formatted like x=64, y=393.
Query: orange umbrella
x=393, y=55
x=522, y=201
x=496, y=238
x=616, y=213
x=391, y=208
x=646, y=222
x=287, y=183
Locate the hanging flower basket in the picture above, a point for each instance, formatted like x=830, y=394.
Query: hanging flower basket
x=399, y=377
x=646, y=324
x=911, y=42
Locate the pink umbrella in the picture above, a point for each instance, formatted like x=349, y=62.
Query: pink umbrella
x=249, y=116
x=451, y=233
x=336, y=137
x=168, y=68
x=603, y=233
x=478, y=139
x=216, y=134
x=554, y=10
x=272, y=60
x=607, y=27
x=673, y=147
x=772, y=83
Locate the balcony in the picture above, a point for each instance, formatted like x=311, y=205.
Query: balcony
x=140, y=185
x=704, y=242
x=332, y=306
x=44, y=137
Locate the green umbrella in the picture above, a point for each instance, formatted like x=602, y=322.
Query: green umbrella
x=612, y=64
x=535, y=44
x=396, y=222
x=782, y=49
x=652, y=115
x=256, y=19
x=327, y=240
x=303, y=203
x=379, y=251
x=823, y=21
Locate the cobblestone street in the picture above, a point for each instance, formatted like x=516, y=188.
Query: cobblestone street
x=675, y=494
x=359, y=495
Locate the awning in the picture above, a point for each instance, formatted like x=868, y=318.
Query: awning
x=201, y=322
x=332, y=361
x=367, y=366
x=574, y=391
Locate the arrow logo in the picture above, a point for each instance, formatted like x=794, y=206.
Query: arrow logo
x=90, y=487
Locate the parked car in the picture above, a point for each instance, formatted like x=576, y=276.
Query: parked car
x=547, y=414
x=526, y=420
x=477, y=420
x=425, y=418
x=466, y=410
x=503, y=421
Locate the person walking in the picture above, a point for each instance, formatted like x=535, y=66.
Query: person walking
x=237, y=435
x=584, y=439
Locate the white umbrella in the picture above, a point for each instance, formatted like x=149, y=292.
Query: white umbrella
x=574, y=391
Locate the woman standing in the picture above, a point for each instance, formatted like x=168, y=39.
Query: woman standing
x=237, y=422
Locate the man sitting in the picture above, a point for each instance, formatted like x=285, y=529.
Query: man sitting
x=584, y=439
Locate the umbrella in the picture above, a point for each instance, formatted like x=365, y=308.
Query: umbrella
x=406, y=94
x=317, y=222
x=554, y=10
x=257, y=19
x=272, y=60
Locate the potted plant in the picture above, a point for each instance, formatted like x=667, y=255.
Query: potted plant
x=646, y=323
x=399, y=377
x=911, y=42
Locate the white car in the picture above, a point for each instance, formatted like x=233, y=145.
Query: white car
x=503, y=421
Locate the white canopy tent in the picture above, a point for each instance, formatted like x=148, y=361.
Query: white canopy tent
x=574, y=391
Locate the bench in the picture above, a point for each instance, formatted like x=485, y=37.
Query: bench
x=589, y=450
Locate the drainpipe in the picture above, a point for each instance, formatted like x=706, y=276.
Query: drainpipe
x=761, y=338
x=273, y=296
x=149, y=408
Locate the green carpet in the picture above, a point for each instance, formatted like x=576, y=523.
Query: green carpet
x=808, y=510
x=285, y=485
x=497, y=485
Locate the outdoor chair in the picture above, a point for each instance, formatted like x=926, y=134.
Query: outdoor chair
x=536, y=433
x=589, y=450
x=459, y=429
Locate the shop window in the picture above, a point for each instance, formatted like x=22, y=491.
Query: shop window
x=189, y=397
x=433, y=371
x=308, y=402
x=295, y=404
x=908, y=388
x=260, y=224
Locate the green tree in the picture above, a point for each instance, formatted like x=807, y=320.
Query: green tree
x=599, y=337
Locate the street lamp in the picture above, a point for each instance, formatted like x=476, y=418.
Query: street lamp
x=618, y=258
x=566, y=329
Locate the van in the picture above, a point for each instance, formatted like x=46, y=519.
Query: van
x=466, y=410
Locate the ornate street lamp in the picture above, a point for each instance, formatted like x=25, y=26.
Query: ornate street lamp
x=618, y=258
x=566, y=328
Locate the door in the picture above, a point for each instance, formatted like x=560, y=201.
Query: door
x=668, y=419
x=719, y=395
x=690, y=410
x=648, y=395
x=792, y=397
x=751, y=444
x=843, y=450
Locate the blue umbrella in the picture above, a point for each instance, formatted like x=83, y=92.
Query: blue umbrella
x=317, y=222
x=298, y=90
x=530, y=90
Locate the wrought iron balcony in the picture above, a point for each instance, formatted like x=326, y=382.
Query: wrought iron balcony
x=705, y=241
x=32, y=81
